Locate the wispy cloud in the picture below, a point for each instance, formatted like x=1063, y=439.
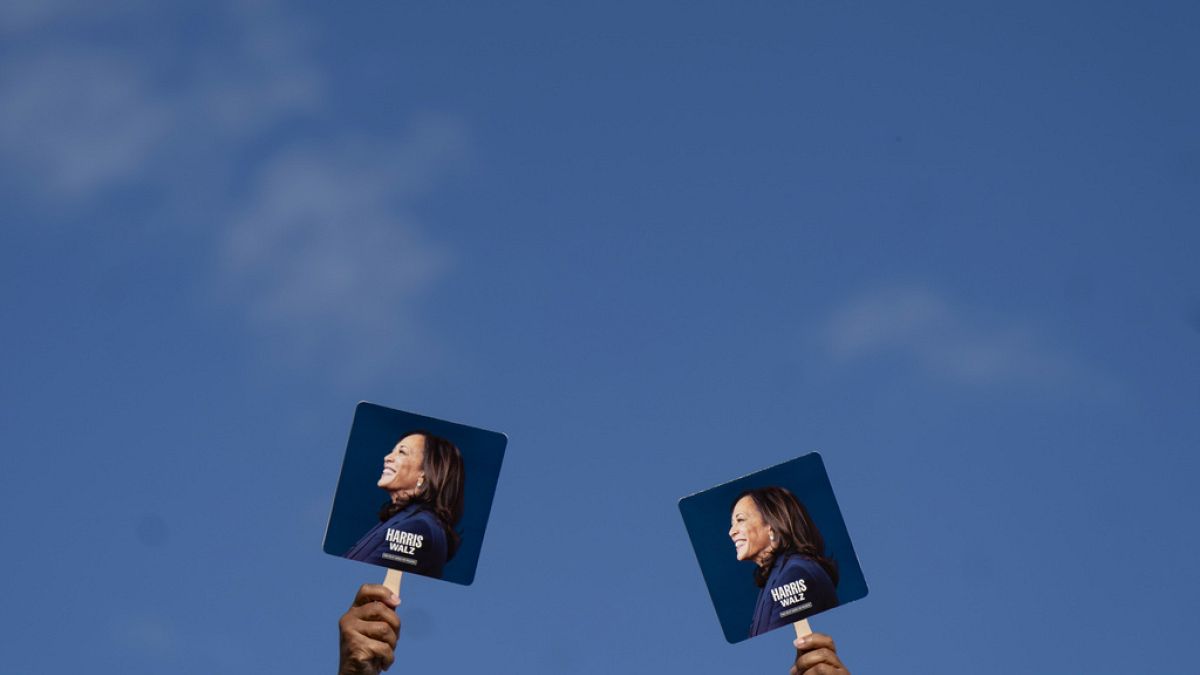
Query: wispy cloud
x=326, y=253
x=947, y=340
x=149, y=635
x=317, y=243
x=19, y=16
x=77, y=120
x=85, y=115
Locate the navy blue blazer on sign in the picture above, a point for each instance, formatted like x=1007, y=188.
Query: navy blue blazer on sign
x=413, y=540
x=796, y=588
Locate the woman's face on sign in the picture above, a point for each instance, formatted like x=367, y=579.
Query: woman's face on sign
x=750, y=533
x=404, y=466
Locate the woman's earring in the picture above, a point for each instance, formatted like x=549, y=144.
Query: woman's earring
x=421, y=481
x=772, y=536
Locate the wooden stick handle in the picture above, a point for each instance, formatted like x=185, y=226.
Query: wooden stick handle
x=392, y=581
x=802, y=628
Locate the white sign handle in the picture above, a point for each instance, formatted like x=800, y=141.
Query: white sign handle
x=392, y=581
x=802, y=628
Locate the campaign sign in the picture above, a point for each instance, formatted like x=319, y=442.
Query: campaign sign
x=415, y=493
x=773, y=547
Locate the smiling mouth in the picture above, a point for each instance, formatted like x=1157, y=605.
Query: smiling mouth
x=388, y=472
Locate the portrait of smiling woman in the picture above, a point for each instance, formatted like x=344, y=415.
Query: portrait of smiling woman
x=772, y=529
x=423, y=475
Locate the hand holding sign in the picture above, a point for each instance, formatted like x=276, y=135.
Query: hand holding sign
x=436, y=480
x=816, y=655
x=368, y=632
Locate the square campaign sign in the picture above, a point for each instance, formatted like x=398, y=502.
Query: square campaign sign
x=415, y=493
x=773, y=547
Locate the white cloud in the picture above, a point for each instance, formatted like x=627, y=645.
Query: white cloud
x=77, y=120
x=18, y=16
x=262, y=74
x=319, y=247
x=326, y=253
x=84, y=115
x=945, y=340
x=152, y=636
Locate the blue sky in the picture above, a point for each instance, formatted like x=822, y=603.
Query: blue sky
x=951, y=246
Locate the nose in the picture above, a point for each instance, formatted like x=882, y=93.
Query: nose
x=732, y=531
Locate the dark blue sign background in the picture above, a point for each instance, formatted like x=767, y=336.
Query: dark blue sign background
x=730, y=581
x=375, y=431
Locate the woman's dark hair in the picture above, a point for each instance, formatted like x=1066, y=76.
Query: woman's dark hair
x=442, y=491
x=794, y=530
